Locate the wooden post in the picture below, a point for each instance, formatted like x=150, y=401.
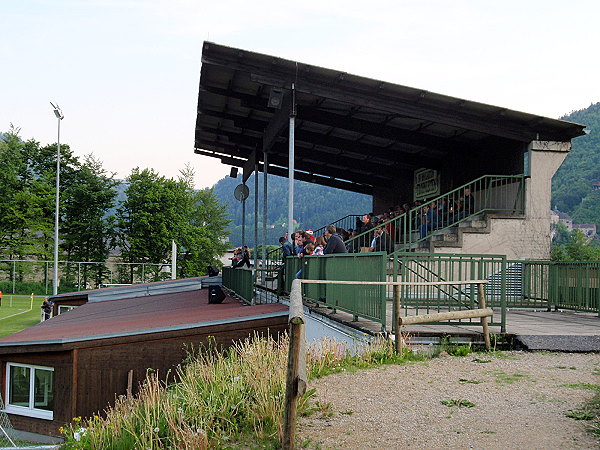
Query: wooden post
x=484, y=320
x=296, y=371
x=398, y=338
x=129, y=383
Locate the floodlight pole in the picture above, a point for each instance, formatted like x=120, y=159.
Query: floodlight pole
x=59, y=116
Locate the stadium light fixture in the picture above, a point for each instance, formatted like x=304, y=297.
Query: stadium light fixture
x=60, y=116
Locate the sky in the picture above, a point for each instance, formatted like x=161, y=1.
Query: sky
x=126, y=72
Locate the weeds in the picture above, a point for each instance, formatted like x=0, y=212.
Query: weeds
x=461, y=403
x=224, y=398
x=589, y=412
x=508, y=378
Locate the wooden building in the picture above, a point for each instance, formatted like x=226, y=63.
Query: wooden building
x=76, y=363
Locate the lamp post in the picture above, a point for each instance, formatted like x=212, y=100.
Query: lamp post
x=59, y=115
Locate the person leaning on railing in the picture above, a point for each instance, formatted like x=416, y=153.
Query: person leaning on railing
x=334, y=241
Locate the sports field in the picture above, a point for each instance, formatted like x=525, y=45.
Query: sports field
x=18, y=312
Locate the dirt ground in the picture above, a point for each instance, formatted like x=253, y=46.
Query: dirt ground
x=507, y=400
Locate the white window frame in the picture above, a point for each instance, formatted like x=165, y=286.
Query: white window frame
x=30, y=411
x=65, y=308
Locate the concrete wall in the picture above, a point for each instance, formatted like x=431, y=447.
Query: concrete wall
x=528, y=237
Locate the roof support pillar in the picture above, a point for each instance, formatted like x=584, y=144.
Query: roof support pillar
x=255, y=266
x=264, y=211
x=291, y=165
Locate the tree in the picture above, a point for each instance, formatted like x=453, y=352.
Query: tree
x=159, y=210
x=577, y=248
x=88, y=230
x=202, y=236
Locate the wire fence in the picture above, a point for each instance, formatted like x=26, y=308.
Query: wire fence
x=21, y=276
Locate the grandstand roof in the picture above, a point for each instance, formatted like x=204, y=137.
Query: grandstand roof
x=352, y=132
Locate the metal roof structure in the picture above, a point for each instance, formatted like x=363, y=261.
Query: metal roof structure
x=351, y=132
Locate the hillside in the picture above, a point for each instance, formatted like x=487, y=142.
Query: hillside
x=314, y=206
x=572, y=185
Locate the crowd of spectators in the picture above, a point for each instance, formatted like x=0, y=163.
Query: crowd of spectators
x=378, y=232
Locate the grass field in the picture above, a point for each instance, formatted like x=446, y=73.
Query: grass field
x=18, y=312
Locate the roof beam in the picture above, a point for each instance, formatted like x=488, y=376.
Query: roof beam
x=303, y=176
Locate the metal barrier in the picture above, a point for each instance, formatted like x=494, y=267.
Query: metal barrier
x=437, y=267
x=367, y=301
x=574, y=286
x=25, y=276
x=346, y=223
x=500, y=194
x=240, y=281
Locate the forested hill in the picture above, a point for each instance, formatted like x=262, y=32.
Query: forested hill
x=314, y=206
x=572, y=185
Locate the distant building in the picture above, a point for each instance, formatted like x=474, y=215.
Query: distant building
x=588, y=229
x=596, y=185
x=557, y=216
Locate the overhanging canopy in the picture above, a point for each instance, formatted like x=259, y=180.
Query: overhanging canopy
x=352, y=132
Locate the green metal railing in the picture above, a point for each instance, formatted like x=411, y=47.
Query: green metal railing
x=239, y=281
x=501, y=194
x=425, y=267
x=546, y=284
x=368, y=302
x=346, y=222
x=574, y=285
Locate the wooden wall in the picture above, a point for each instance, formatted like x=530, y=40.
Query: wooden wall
x=88, y=378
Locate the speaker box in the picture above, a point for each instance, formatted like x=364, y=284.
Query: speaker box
x=234, y=172
x=213, y=271
x=215, y=294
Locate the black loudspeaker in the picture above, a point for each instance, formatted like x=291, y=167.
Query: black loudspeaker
x=233, y=173
x=213, y=271
x=215, y=294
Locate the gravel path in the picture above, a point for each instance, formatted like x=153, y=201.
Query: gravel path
x=520, y=400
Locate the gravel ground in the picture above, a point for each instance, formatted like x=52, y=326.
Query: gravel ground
x=520, y=400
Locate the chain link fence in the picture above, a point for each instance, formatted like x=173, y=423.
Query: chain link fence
x=31, y=276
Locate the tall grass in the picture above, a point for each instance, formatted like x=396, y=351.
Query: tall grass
x=222, y=399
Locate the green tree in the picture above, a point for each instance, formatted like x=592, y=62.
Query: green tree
x=577, y=248
x=158, y=210
x=202, y=235
x=88, y=230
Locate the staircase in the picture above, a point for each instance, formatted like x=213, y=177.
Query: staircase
x=493, y=197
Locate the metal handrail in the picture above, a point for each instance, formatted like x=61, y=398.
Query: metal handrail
x=487, y=200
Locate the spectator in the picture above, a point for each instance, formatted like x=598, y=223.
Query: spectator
x=310, y=233
x=381, y=241
x=334, y=241
x=245, y=258
x=298, y=241
x=237, y=256
x=320, y=246
x=286, y=248
x=46, y=308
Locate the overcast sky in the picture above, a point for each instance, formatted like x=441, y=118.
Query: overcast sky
x=126, y=72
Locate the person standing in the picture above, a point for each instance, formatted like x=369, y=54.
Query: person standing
x=46, y=308
x=335, y=244
x=286, y=248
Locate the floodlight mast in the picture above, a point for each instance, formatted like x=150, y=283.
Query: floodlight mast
x=59, y=116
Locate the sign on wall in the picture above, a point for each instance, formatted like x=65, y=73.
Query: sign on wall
x=427, y=184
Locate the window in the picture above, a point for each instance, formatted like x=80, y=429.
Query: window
x=30, y=390
x=65, y=308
